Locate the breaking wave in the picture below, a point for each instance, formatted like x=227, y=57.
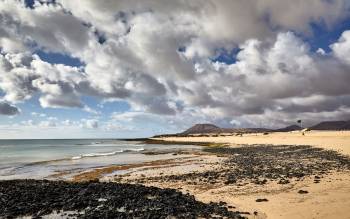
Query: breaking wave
x=106, y=154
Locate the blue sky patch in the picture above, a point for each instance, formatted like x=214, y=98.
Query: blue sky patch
x=58, y=58
x=227, y=57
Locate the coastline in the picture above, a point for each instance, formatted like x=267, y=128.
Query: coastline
x=326, y=197
x=275, y=186
x=335, y=140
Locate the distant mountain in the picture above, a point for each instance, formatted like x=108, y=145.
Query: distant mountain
x=249, y=130
x=213, y=129
x=210, y=128
x=289, y=128
x=332, y=125
x=346, y=126
x=202, y=128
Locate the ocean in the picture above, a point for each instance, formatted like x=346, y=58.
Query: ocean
x=39, y=159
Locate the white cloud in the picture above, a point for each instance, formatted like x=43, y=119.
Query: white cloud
x=47, y=124
x=90, y=110
x=67, y=122
x=112, y=126
x=29, y=122
x=341, y=48
x=157, y=57
x=321, y=51
x=90, y=123
x=38, y=114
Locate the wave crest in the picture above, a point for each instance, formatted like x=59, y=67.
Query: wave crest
x=106, y=154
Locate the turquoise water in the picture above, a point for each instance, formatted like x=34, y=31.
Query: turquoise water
x=41, y=158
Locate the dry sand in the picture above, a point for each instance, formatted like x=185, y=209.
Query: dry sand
x=328, y=199
x=335, y=140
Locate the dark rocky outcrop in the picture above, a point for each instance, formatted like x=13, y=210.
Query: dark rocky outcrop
x=37, y=198
x=260, y=164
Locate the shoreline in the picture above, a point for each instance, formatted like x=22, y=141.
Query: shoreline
x=335, y=140
x=260, y=180
x=327, y=195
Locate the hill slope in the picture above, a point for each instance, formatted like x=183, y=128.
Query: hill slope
x=202, y=128
x=332, y=125
x=207, y=128
x=289, y=128
x=210, y=128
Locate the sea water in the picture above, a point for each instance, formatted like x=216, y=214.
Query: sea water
x=41, y=158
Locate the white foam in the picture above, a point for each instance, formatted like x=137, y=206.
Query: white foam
x=134, y=149
x=106, y=154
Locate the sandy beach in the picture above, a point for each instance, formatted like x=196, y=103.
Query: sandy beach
x=310, y=196
x=335, y=140
x=279, y=175
x=328, y=199
x=187, y=109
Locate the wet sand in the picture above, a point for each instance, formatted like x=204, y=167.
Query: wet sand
x=259, y=180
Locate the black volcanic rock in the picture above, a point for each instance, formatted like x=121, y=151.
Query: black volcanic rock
x=303, y=192
x=260, y=164
x=289, y=128
x=332, y=125
x=262, y=200
x=37, y=198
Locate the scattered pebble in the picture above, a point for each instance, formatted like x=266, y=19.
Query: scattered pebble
x=261, y=200
x=260, y=164
x=303, y=192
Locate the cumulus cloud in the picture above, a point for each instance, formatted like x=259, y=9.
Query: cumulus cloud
x=90, y=123
x=112, y=126
x=38, y=114
x=157, y=56
x=47, y=26
x=341, y=48
x=7, y=109
x=67, y=122
x=47, y=124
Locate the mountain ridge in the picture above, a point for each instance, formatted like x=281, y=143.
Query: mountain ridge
x=332, y=125
x=208, y=128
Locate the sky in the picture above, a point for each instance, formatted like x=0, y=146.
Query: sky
x=132, y=68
